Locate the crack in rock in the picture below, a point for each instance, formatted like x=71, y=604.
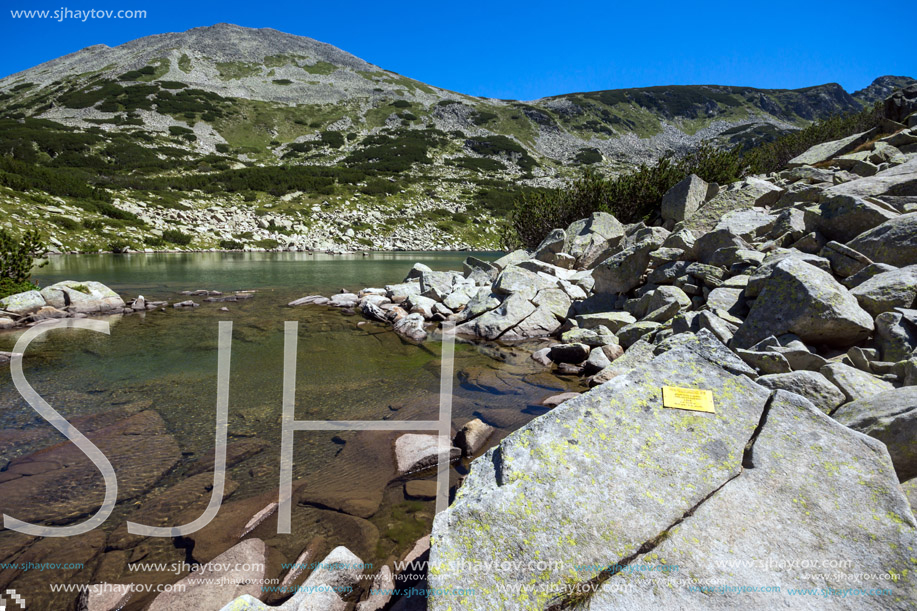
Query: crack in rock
x=581, y=594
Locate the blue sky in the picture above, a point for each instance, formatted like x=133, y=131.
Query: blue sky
x=521, y=50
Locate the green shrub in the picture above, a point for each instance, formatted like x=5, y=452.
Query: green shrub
x=11, y=287
x=267, y=243
x=333, y=139
x=637, y=194
x=231, y=245
x=588, y=156
x=502, y=145
x=176, y=237
x=65, y=222
x=460, y=217
x=17, y=259
x=133, y=75
x=483, y=117
x=119, y=245
x=379, y=186
x=401, y=104
x=282, y=81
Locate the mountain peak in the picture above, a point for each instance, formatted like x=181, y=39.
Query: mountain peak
x=881, y=88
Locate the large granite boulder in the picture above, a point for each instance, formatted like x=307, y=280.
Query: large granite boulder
x=550, y=246
x=812, y=494
x=900, y=104
x=829, y=150
x=844, y=217
x=23, y=303
x=855, y=384
x=893, y=242
x=624, y=270
x=890, y=417
x=899, y=180
x=809, y=384
x=516, y=280
x=679, y=488
x=802, y=299
x=747, y=224
x=534, y=497
x=85, y=297
x=494, y=323
x=682, y=201
x=896, y=335
x=759, y=278
x=599, y=231
x=889, y=290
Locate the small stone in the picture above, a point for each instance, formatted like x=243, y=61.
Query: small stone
x=473, y=436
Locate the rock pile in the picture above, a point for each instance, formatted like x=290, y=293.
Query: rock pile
x=791, y=296
x=67, y=299
x=813, y=269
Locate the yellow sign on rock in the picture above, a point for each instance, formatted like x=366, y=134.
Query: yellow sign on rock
x=693, y=399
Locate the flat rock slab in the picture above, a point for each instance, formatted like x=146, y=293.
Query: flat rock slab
x=61, y=484
x=896, y=180
x=536, y=494
x=355, y=480
x=819, y=494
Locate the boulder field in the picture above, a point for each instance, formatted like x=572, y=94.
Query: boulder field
x=791, y=298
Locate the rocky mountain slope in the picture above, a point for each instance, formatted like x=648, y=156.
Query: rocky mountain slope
x=174, y=130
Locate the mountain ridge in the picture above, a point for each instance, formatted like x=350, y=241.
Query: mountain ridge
x=188, y=119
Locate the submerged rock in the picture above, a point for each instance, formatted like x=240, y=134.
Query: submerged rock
x=415, y=452
x=60, y=483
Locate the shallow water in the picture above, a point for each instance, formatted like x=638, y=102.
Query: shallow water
x=166, y=361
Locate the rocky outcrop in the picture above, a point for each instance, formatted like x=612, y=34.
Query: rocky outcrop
x=802, y=299
x=61, y=300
